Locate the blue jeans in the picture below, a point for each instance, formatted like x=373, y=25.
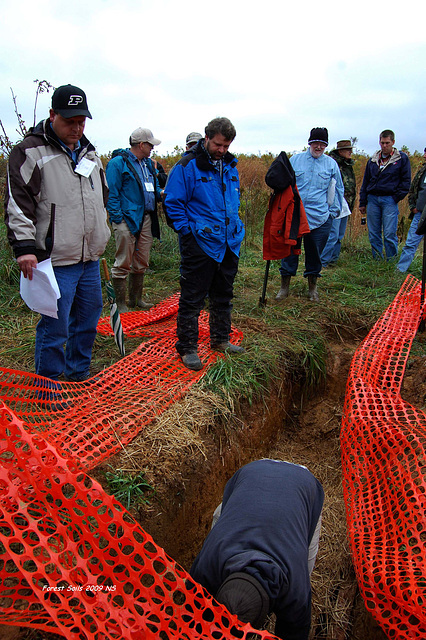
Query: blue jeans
x=411, y=244
x=331, y=251
x=79, y=309
x=382, y=217
x=314, y=243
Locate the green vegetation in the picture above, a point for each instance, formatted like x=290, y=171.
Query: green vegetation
x=129, y=489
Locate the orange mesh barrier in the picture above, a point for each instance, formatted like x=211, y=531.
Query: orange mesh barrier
x=133, y=322
x=73, y=560
x=383, y=443
x=93, y=419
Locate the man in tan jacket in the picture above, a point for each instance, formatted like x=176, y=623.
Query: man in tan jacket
x=55, y=207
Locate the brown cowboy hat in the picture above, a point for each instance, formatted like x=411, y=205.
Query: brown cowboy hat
x=344, y=144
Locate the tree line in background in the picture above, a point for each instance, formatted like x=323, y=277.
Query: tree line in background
x=252, y=169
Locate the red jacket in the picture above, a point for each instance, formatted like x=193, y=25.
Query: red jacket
x=285, y=225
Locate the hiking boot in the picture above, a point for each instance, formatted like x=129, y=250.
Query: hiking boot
x=285, y=286
x=228, y=347
x=135, y=292
x=313, y=293
x=192, y=361
x=119, y=285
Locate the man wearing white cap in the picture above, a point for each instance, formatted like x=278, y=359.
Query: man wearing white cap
x=132, y=207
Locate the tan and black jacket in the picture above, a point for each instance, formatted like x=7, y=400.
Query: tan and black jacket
x=50, y=210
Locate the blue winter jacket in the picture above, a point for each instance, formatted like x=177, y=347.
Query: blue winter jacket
x=269, y=513
x=199, y=200
x=394, y=180
x=126, y=195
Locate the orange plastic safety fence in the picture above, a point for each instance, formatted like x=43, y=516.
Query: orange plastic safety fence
x=383, y=443
x=73, y=561
x=93, y=419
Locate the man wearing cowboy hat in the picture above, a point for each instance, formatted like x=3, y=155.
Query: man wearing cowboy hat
x=342, y=155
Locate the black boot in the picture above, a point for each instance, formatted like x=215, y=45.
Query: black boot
x=120, y=287
x=285, y=286
x=136, y=290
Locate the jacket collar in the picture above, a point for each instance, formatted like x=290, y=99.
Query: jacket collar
x=394, y=157
x=340, y=159
x=203, y=160
x=44, y=129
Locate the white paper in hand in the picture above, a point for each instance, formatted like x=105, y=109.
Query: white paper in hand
x=42, y=292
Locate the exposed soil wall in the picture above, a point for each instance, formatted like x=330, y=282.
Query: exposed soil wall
x=291, y=422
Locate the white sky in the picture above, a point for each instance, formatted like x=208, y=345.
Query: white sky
x=275, y=68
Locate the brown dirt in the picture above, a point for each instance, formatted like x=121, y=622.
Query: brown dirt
x=190, y=453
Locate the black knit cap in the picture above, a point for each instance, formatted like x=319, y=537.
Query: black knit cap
x=244, y=596
x=318, y=134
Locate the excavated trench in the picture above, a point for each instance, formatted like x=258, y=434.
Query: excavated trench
x=294, y=423
x=291, y=422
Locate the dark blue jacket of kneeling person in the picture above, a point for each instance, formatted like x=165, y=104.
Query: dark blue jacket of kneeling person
x=259, y=554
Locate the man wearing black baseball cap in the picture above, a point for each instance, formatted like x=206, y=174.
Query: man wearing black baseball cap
x=69, y=101
x=55, y=207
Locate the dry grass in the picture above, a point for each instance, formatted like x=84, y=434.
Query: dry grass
x=176, y=435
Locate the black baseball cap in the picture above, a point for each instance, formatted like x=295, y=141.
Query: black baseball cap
x=70, y=101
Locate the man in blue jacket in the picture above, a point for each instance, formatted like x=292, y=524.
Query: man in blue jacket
x=202, y=198
x=132, y=207
x=260, y=552
x=386, y=181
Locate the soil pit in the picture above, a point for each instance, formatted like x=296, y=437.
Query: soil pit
x=189, y=454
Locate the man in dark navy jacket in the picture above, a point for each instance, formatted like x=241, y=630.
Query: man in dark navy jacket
x=386, y=181
x=258, y=557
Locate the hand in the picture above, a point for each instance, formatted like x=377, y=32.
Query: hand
x=414, y=210
x=362, y=210
x=27, y=263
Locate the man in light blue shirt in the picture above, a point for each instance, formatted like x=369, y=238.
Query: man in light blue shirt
x=320, y=186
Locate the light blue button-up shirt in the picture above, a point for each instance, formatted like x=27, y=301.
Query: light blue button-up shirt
x=320, y=186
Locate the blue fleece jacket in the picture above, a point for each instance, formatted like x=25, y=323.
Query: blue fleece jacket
x=269, y=513
x=200, y=200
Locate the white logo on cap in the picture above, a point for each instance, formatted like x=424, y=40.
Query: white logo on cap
x=74, y=101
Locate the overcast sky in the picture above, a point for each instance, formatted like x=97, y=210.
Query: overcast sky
x=275, y=68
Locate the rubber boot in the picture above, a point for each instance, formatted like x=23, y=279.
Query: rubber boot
x=313, y=293
x=119, y=285
x=135, y=292
x=285, y=286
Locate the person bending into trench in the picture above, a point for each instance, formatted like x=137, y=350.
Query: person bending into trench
x=260, y=552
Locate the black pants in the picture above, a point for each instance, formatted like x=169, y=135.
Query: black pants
x=201, y=276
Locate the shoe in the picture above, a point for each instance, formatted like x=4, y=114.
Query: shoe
x=285, y=287
x=228, y=347
x=192, y=361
